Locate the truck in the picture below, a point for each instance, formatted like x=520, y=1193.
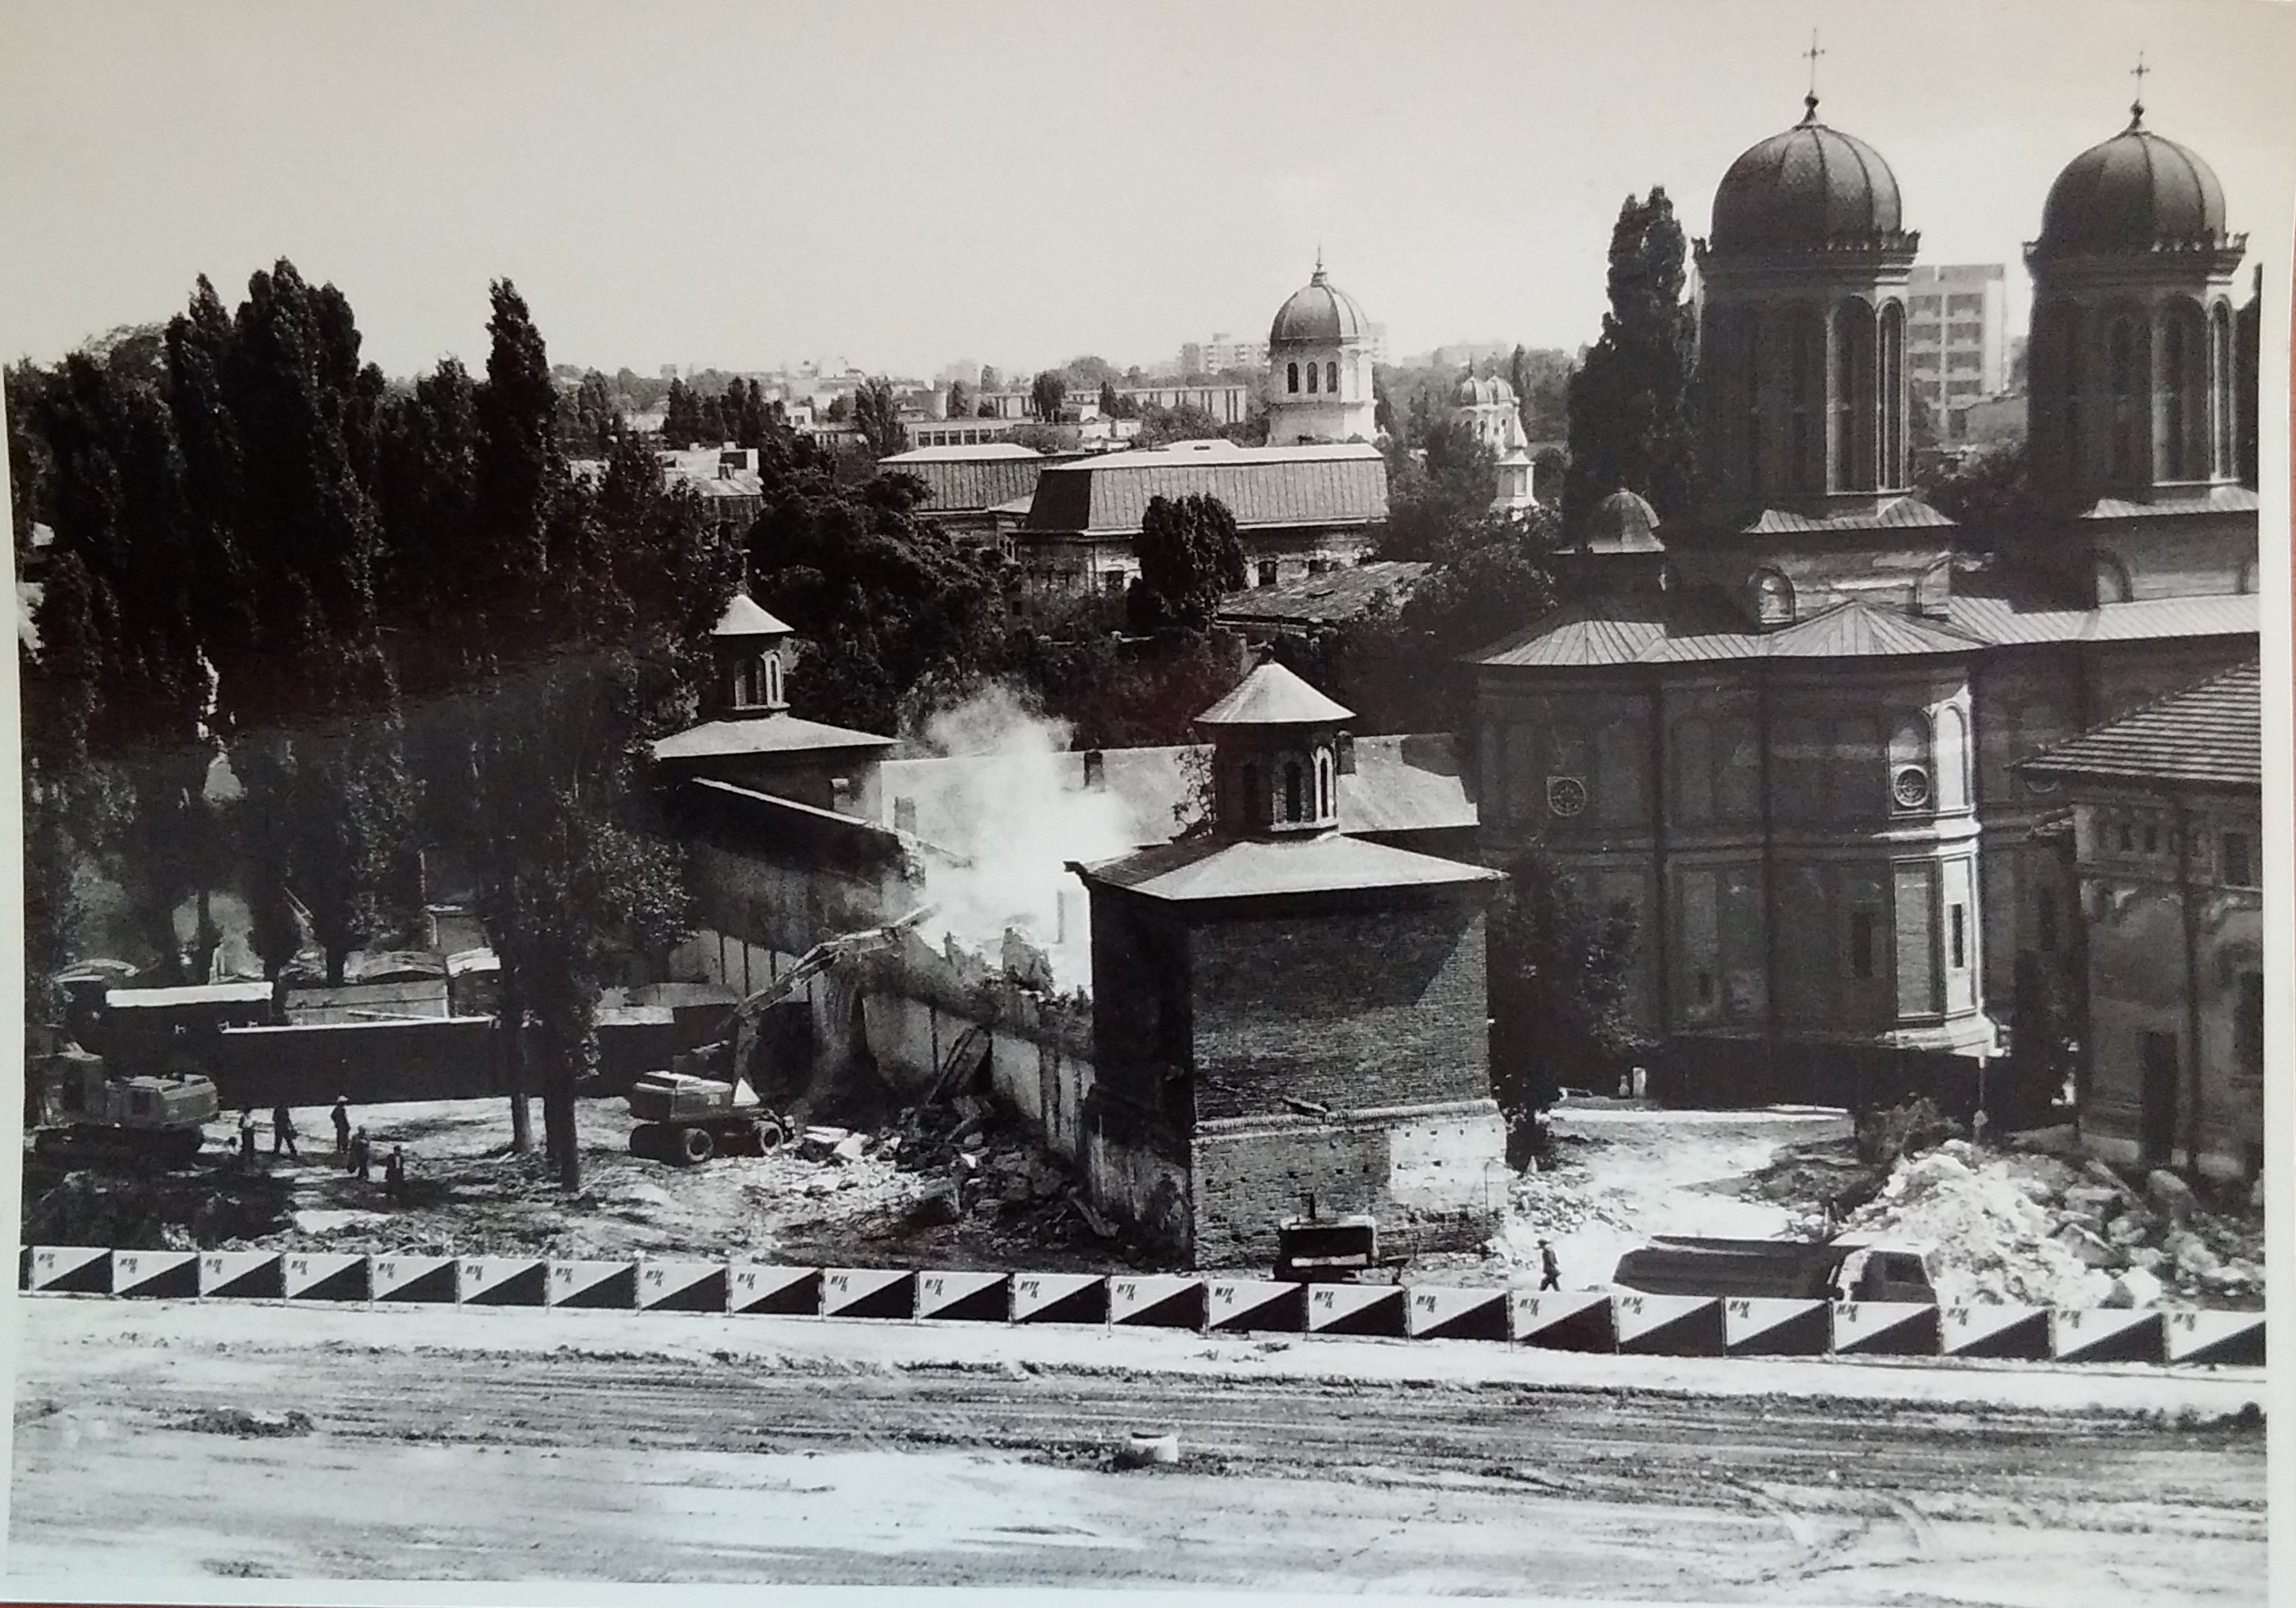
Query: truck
x=1849, y=1267
x=703, y=1105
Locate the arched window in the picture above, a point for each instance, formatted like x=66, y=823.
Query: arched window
x=1805, y=400
x=1313, y=374
x=747, y=683
x=1291, y=800
x=1893, y=395
x=773, y=678
x=1853, y=397
x=1325, y=805
x=1331, y=378
x=2120, y=367
x=2227, y=425
x=2176, y=367
x=2075, y=373
x=2111, y=579
x=1291, y=376
x=1750, y=374
x=1774, y=598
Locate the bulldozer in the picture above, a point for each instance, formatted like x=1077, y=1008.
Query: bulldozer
x=705, y=1105
x=91, y=1117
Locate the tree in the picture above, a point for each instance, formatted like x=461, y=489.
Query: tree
x=1109, y=401
x=1630, y=415
x=1048, y=394
x=1433, y=498
x=990, y=380
x=878, y=417
x=1559, y=980
x=1162, y=426
x=960, y=401
x=1190, y=558
x=1990, y=495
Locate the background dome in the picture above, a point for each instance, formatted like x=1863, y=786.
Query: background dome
x=1622, y=522
x=2134, y=192
x=1319, y=314
x=1482, y=393
x=1804, y=190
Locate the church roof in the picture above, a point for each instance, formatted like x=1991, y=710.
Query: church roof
x=1899, y=513
x=1622, y=522
x=1272, y=695
x=1811, y=188
x=1330, y=595
x=1342, y=484
x=744, y=617
x=2135, y=191
x=2211, y=734
x=1205, y=869
x=1692, y=629
x=761, y=734
x=1318, y=314
x=965, y=480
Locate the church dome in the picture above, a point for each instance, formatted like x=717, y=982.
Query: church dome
x=1807, y=190
x=2134, y=191
x=1622, y=522
x=1483, y=393
x=1319, y=314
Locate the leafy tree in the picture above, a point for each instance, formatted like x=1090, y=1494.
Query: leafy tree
x=1190, y=558
x=1559, y=977
x=1431, y=497
x=1989, y=495
x=1162, y=426
x=1630, y=416
x=1109, y=401
x=960, y=401
x=1048, y=394
x=1542, y=384
x=878, y=417
x=990, y=380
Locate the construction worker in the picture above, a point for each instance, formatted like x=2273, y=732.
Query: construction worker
x=1550, y=1271
x=283, y=1132
x=342, y=1118
x=359, y=1155
x=394, y=1173
x=247, y=1140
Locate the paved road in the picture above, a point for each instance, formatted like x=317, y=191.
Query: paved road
x=982, y=1466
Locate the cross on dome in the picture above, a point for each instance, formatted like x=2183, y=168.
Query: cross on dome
x=1809, y=101
x=2136, y=106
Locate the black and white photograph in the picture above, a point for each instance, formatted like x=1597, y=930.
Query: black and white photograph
x=1487, y=800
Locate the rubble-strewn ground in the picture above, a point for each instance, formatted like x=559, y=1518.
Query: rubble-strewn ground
x=964, y=1187
x=169, y=1440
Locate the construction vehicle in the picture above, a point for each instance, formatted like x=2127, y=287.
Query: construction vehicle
x=1847, y=1268
x=705, y=1105
x=94, y=1117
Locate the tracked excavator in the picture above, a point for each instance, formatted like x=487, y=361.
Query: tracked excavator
x=707, y=1104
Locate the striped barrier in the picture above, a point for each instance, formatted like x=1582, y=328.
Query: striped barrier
x=966, y=1297
x=1600, y=1321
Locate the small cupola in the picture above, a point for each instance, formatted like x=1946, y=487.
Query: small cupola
x=1275, y=757
x=749, y=648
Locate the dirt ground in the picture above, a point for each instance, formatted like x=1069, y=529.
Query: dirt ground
x=173, y=1441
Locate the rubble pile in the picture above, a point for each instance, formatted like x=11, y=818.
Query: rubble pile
x=2045, y=1231
x=987, y=1172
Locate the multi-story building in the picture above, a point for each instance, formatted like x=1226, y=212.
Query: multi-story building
x=1957, y=338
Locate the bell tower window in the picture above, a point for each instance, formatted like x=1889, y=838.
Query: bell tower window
x=774, y=679
x=749, y=683
x=1291, y=376
x=1331, y=378
x=1311, y=379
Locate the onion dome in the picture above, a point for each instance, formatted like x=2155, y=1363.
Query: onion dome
x=1319, y=314
x=1483, y=393
x=1622, y=522
x=2135, y=191
x=1810, y=189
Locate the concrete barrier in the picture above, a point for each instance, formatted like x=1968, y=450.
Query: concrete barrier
x=1434, y=1312
x=1557, y=1321
x=1357, y=1310
x=965, y=1297
x=1059, y=1297
x=868, y=1292
x=413, y=1278
x=155, y=1273
x=1160, y=1300
x=1990, y=1330
x=1885, y=1328
x=1668, y=1325
x=245, y=1275
x=501, y=1281
x=1250, y=1305
x=68, y=1270
x=2234, y=1339
x=2124, y=1335
x=682, y=1286
x=609, y=1284
x=758, y=1287
x=1769, y=1327
x=323, y=1276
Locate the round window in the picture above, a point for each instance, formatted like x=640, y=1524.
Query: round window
x=1910, y=787
x=1565, y=795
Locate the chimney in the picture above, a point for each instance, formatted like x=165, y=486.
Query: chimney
x=1095, y=771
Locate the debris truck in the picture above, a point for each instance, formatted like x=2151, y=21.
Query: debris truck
x=705, y=1105
x=1847, y=1268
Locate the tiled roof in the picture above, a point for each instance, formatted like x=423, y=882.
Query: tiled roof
x=1334, y=595
x=1204, y=869
x=1272, y=695
x=2212, y=733
x=972, y=479
x=744, y=617
x=763, y=735
x=1905, y=514
x=1341, y=485
x=1690, y=630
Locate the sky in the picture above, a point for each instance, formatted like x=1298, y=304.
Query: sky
x=902, y=185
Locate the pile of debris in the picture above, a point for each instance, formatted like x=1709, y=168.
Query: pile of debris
x=985, y=1170
x=2038, y=1229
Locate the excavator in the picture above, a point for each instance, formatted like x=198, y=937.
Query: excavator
x=706, y=1104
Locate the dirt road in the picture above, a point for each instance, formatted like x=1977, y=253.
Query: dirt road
x=154, y=1440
